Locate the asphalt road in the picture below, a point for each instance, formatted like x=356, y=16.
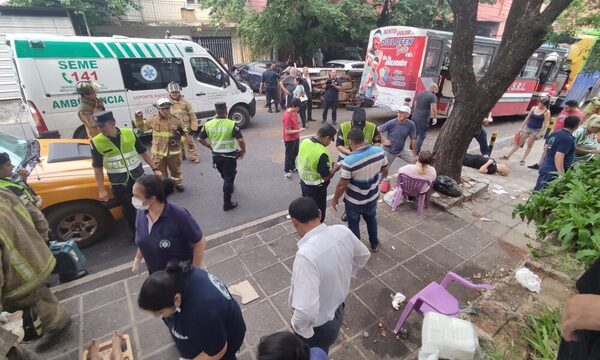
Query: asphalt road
x=260, y=187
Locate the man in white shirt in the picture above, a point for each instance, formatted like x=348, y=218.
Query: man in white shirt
x=327, y=258
x=307, y=84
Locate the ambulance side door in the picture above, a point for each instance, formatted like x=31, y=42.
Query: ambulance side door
x=209, y=85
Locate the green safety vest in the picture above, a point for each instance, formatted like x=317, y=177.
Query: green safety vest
x=368, y=130
x=220, y=133
x=123, y=163
x=23, y=190
x=308, y=160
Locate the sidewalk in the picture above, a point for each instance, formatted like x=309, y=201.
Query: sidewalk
x=414, y=251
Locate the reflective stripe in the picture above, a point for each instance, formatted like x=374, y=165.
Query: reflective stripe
x=27, y=194
x=121, y=164
x=220, y=133
x=166, y=134
x=368, y=131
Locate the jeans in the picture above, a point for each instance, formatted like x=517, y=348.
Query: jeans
x=404, y=155
x=302, y=113
x=328, y=104
x=309, y=108
x=291, y=152
x=369, y=213
x=421, y=133
x=272, y=95
x=545, y=176
x=481, y=138
x=123, y=193
x=326, y=334
x=318, y=193
x=227, y=167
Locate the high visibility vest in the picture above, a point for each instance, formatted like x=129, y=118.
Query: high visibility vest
x=122, y=163
x=26, y=193
x=368, y=130
x=308, y=160
x=220, y=133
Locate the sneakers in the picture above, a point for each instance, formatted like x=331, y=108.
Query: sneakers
x=344, y=217
x=288, y=176
x=375, y=248
x=534, y=167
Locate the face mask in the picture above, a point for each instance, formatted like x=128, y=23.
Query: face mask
x=139, y=204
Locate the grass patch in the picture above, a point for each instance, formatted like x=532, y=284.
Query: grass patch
x=542, y=333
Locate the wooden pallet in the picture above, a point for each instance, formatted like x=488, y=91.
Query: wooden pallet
x=106, y=347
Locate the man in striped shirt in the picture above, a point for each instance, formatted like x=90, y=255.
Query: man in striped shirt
x=360, y=175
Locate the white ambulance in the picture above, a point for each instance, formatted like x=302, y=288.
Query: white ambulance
x=132, y=74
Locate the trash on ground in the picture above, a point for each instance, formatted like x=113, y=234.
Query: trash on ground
x=499, y=191
x=245, y=290
x=529, y=280
x=484, y=219
x=444, y=337
x=397, y=300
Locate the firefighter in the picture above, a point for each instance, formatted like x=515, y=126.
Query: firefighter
x=183, y=110
x=89, y=104
x=223, y=134
x=167, y=132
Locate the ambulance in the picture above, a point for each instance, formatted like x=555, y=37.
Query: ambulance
x=132, y=74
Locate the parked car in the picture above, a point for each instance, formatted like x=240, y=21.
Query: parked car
x=349, y=65
x=62, y=174
x=250, y=74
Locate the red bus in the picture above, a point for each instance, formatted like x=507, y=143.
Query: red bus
x=401, y=62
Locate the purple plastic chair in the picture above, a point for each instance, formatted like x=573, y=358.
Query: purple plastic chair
x=435, y=297
x=408, y=186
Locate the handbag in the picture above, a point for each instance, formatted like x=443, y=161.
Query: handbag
x=303, y=98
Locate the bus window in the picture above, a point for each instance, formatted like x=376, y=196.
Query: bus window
x=531, y=68
x=482, y=57
x=432, y=59
x=546, y=73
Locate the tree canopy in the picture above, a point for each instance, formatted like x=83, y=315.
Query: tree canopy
x=96, y=11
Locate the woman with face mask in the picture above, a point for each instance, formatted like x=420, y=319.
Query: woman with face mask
x=164, y=231
x=203, y=318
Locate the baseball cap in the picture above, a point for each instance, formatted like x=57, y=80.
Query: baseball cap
x=101, y=117
x=163, y=103
x=404, y=108
x=359, y=118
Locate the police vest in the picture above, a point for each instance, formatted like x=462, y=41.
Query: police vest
x=308, y=160
x=123, y=163
x=220, y=133
x=368, y=130
x=19, y=188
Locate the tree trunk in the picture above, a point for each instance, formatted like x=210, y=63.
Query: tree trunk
x=525, y=29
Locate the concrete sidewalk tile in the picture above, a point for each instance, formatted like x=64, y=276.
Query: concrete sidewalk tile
x=493, y=228
x=382, y=344
x=346, y=351
x=416, y=239
x=135, y=282
x=392, y=224
x=72, y=306
x=154, y=335
x=424, y=268
x=102, y=321
x=285, y=247
x=103, y=295
x=435, y=230
x=478, y=236
x=72, y=355
x=444, y=257
x=379, y=262
x=461, y=246
x=273, y=279
x=505, y=219
x=228, y=270
x=280, y=301
x=273, y=233
x=362, y=276
x=261, y=320
x=257, y=288
x=398, y=249
x=216, y=254
x=494, y=257
x=377, y=296
x=382, y=234
x=246, y=243
x=258, y=258
x=289, y=262
x=469, y=270
x=356, y=316
x=408, y=214
x=516, y=239
x=450, y=221
x=68, y=342
x=169, y=352
x=246, y=355
x=139, y=315
x=401, y=280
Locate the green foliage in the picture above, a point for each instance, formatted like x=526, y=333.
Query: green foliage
x=569, y=206
x=542, y=333
x=95, y=11
x=581, y=15
x=418, y=13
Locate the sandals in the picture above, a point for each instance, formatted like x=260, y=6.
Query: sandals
x=522, y=162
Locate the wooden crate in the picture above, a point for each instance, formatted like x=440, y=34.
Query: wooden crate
x=106, y=347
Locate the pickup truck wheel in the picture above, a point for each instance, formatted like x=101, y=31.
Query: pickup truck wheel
x=85, y=222
x=241, y=116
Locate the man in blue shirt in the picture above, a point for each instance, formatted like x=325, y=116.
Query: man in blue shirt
x=561, y=152
x=398, y=130
x=359, y=180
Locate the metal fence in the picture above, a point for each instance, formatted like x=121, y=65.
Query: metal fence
x=219, y=46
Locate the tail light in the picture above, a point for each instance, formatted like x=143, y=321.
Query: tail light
x=37, y=116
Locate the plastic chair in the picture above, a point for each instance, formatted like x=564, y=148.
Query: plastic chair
x=435, y=297
x=408, y=186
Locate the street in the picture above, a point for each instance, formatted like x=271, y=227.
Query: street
x=260, y=187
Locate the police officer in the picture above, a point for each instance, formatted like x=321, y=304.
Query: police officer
x=359, y=120
x=316, y=167
x=223, y=133
x=89, y=104
x=167, y=131
x=183, y=110
x=118, y=152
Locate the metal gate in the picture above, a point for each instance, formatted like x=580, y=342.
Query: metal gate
x=219, y=46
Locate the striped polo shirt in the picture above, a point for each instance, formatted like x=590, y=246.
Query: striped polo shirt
x=362, y=167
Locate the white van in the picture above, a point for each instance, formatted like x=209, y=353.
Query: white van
x=132, y=74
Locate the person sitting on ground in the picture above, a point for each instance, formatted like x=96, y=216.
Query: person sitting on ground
x=284, y=345
x=485, y=165
x=586, y=139
x=422, y=169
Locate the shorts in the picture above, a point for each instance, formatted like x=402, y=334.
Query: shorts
x=530, y=131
